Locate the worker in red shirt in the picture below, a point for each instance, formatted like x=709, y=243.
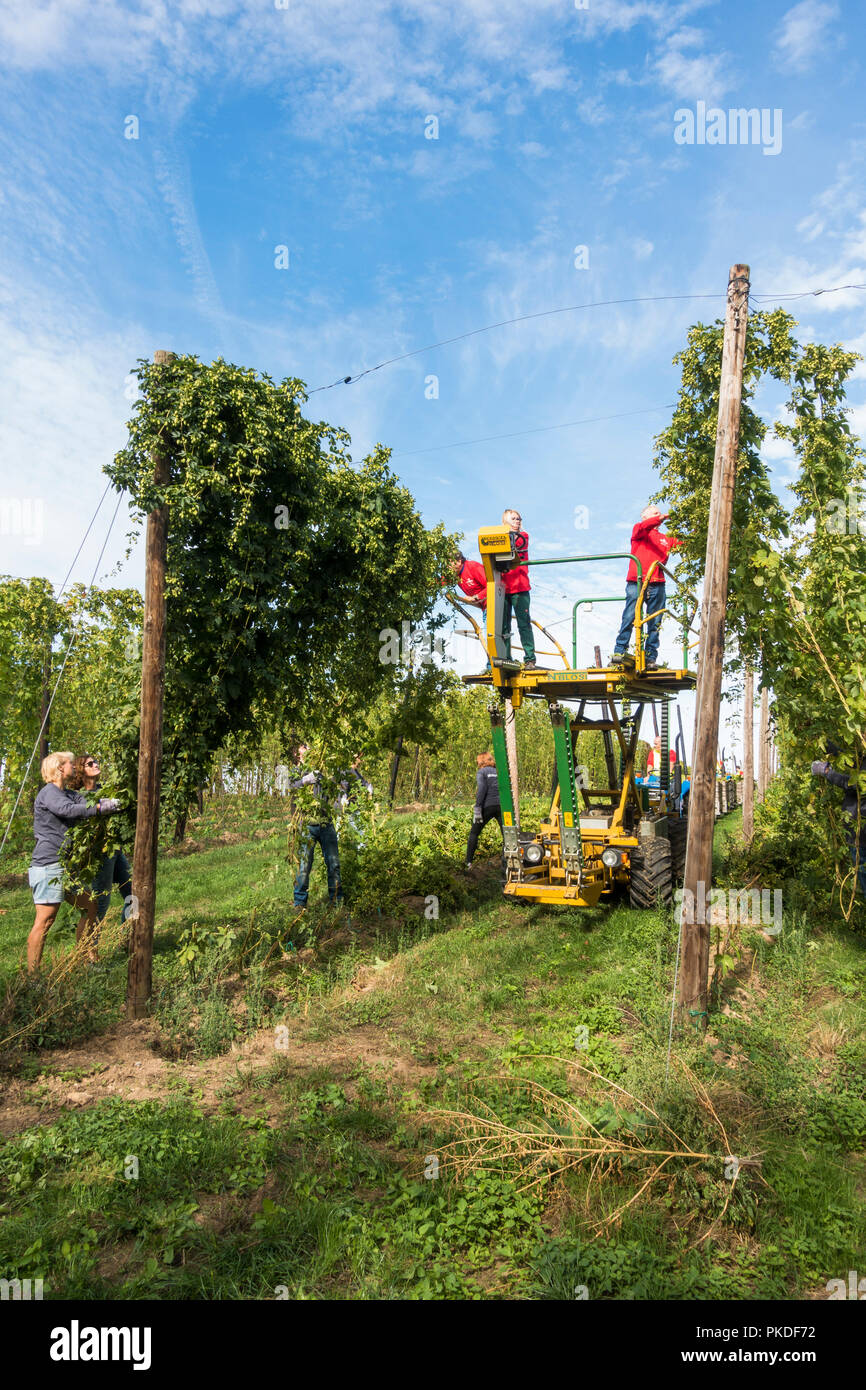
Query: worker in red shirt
x=517, y=592
x=654, y=758
x=649, y=546
x=471, y=579
x=472, y=582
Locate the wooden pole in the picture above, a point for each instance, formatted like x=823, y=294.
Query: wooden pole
x=694, y=969
x=763, y=745
x=749, y=755
x=395, y=768
x=140, y=972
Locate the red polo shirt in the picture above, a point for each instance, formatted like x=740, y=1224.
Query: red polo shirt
x=517, y=579
x=653, y=757
x=473, y=581
x=648, y=544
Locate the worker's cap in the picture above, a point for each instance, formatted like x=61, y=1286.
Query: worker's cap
x=651, y=510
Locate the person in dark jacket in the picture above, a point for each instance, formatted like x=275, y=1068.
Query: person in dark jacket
x=853, y=808
x=114, y=871
x=55, y=811
x=486, y=803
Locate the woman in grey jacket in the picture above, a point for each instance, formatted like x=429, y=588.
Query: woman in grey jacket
x=54, y=813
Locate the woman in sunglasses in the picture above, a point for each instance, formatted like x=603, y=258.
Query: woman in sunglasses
x=114, y=869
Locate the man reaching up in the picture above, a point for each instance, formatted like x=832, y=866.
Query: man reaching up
x=652, y=549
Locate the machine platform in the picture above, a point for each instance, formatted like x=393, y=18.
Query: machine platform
x=592, y=683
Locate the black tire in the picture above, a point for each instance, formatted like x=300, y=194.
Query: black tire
x=650, y=875
x=678, y=829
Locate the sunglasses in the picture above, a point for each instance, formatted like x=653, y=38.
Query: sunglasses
x=92, y=762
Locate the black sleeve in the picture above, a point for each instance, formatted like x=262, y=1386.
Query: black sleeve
x=838, y=779
x=479, y=786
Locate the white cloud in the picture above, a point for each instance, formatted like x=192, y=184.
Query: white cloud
x=857, y=420
x=532, y=150
x=774, y=448
x=63, y=410
x=802, y=35
x=593, y=111
x=857, y=345
x=689, y=74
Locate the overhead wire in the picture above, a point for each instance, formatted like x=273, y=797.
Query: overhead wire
x=352, y=377
x=538, y=429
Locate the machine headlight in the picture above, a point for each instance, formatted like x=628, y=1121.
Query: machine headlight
x=533, y=854
x=611, y=858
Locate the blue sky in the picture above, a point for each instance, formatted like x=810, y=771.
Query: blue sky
x=303, y=125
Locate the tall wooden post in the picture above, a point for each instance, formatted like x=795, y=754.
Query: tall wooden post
x=699, y=847
x=395, y=768
x=764, y=745
x=749, y=755
x=140, y=973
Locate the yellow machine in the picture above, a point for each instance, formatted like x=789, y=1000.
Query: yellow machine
x=592, y=838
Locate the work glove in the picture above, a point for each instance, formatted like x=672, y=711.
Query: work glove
x=820, y=769
x=477, y=816
x=106, y=804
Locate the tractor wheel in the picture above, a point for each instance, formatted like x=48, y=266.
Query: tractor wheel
x=650, y=875
x=678, y=829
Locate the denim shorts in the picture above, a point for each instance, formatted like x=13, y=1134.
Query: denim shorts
x=46, y=883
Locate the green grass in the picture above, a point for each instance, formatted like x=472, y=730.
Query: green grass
x=303, y=1174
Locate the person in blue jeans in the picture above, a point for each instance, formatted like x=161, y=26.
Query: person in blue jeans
x=652, y=549
x=325, y=836
x=316, y=832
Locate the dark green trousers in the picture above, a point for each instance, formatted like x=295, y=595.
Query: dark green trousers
x=518, y=605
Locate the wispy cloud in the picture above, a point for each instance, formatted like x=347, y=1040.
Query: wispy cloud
x=689, y=73
x=805, y=35
x=174, y=183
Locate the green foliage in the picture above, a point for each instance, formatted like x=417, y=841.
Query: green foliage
x=685, y=453
x=796, y=608
x=96, y=705
x=285, y=560
x=570, y=1268
x=407, y=856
